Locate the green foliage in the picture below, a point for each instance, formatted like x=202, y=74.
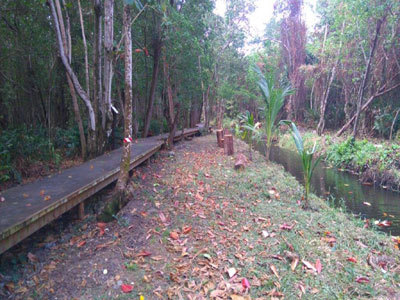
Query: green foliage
x=250, y=130
x=361, y=154
x=23, y=146
x=158, y=126
x=274, y=98
x=67, y=140
x=382, y=124
x=306, y=158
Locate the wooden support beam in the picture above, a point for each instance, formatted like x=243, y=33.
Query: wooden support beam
x=81, y=210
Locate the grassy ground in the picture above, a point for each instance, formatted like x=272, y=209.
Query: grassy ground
x=198, y=229
x=376, y=161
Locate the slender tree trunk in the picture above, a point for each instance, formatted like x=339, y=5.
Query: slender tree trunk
x=108, y=64
x=382, y=91
x=66, y=41
x=321, y=124
x=203, y=93
x=126, y=154
x=85, y=48
x=393, y=123
x=172, y=118
x=153, y=85
x=84, y=96
x=135, y=114
x=98, y=138
x=365, y=79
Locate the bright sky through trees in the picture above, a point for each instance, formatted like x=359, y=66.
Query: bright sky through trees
x=264, y=11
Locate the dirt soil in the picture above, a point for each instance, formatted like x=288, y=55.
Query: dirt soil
x=197, y=229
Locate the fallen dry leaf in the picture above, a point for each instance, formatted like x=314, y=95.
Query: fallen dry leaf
x=237, y=297
x=352, y=259
x=186, y=229
x=294, y=263
x=285, y=226
x=362, y=279
x=245, y=283
x=80, y=244
x=32, y=258
x=231, y=272
x=102, y=227
x=126, y=288
x=143, y=254
x=309, y=265
x=217, y=293
x=274, y=270
x=174, y=235
x=318, y=266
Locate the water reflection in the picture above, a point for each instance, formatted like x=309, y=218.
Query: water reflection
x=385, y=205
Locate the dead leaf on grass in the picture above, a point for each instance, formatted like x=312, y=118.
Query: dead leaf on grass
x=32, y=258
x=274, y=270
x=309, y=265
x=174, y=235
x=362, y=279
x=318, y=266
x=237, y=297
x=231, y=272
x=186, y=229
x=126, y=288
x=81, y=244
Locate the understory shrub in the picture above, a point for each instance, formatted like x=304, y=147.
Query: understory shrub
x=362, y=154
x=21, y=147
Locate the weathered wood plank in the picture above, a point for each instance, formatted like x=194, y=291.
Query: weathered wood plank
x=29, y=207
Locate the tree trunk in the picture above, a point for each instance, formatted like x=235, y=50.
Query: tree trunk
x=157, y=43
x=365, y=79
x=84, y=96
x=321, y=123
x=85, y=48
x=98, y=138
x=381, y=92
x=126, y=154
x=172, y=118
x=106, y=112
x=66, y=41
x=135, y=114
x=393, y=123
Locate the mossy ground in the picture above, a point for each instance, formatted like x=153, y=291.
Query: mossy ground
x=193, y=218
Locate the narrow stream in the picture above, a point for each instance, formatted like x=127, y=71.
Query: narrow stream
x=345, y=187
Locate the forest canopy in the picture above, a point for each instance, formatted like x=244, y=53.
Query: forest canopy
x=62, y=88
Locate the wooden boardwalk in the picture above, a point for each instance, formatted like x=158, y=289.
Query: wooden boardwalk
x=29, y=207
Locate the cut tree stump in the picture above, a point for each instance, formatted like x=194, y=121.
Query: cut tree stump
x=228, y=144
x=241, y=161
x=220, y=138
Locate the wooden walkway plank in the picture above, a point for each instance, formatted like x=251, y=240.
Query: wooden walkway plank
x=29, y=207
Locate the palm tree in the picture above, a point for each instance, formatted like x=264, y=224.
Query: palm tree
x=274, y=98
x=306, y=158
x=251, y=130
